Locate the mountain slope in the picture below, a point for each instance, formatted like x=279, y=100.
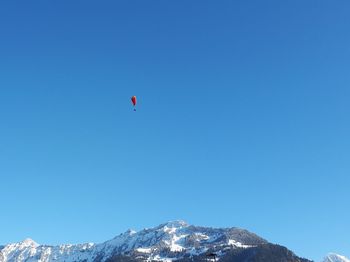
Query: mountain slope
x=171, y=241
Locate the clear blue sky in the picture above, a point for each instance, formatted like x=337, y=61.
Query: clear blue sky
x=243, y=119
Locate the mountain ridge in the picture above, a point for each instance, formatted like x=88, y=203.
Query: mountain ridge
x=172, y=241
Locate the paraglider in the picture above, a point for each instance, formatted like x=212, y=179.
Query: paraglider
x=134, y=101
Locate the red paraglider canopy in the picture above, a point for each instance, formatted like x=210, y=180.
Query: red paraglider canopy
x=133, y=100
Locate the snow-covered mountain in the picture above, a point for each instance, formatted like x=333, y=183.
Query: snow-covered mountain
x=331, y=257
x=171, y=241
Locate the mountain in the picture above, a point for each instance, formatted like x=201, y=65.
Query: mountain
x=331, y=257
x=172, y=241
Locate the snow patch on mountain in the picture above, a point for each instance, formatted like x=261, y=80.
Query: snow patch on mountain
x=238, y=244
x=332, y=257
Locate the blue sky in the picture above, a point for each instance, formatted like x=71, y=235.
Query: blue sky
x=243, y=119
